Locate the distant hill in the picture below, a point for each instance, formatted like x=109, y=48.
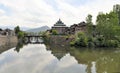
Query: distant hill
x=12, y=27
x=43, y=28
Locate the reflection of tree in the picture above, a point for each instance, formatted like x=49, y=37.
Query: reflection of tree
x=109, y=63
x=84, y=56
x=88, y=69
x=105, y=60
x=20, y=45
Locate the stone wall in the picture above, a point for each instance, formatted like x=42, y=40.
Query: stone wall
x=7, y=42
x=60, y=40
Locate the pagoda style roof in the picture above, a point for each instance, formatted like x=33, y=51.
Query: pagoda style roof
x=59, y=23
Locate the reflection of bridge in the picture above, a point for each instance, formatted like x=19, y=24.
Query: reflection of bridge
x=34, y=38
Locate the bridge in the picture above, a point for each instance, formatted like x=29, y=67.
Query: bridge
x=34, y=38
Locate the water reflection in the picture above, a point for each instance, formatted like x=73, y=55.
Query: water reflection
x=6, y=47
x=58, y=51
x=21, y=43
x=38, y=58
x=19, y=46
x=96, y=60
x=106, y=61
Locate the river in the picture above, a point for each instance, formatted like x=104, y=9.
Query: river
x=39, y=58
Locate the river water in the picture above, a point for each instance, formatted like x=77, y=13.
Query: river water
x=39, y=58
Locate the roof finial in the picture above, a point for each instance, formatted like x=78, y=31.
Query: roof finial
x=59, y=19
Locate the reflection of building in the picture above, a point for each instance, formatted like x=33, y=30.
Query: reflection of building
x=57, y=50
x=60, y=27
x=58, y=55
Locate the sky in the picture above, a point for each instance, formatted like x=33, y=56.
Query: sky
x=37, y=13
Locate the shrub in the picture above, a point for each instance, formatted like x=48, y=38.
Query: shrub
x=99, y=41
x=20, y=34
x=111, y=43
x=81, y=40
x=72, y=43
x=90, y=42
x=54, y=32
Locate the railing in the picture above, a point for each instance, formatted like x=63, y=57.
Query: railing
x=33, y=38
x=33, y=35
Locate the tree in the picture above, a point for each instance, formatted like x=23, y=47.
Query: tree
x=89, y=19
x=89, y=25
x=20, y=34
x=116, y=9
x=106, y=24
x=81, y=40
x=17, y=30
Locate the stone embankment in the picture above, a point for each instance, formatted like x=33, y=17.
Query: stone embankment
x=7, y=42
x=60, y=40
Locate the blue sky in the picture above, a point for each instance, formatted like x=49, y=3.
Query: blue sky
x=36, y=13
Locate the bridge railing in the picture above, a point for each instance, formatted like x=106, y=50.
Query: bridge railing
x=33, y=34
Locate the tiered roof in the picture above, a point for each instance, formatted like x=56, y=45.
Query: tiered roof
x=59, y=23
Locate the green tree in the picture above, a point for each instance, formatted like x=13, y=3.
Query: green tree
x=17, y=30
x=20, y=34
x=81, y=40
x=116, y=9
x=106, y=24
x=89, y=25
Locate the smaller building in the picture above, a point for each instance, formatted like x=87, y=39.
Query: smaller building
x=10, y=32
x=80, y=27
x=7, y=32
x=60, y=27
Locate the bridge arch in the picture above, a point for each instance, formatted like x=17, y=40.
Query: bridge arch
x=35, y=39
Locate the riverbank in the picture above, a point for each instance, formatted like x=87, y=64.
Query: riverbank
x=7, y=42
x=82, y=40
x=61, y=40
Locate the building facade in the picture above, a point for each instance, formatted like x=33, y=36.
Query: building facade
x=60, y=27
x=80, y=27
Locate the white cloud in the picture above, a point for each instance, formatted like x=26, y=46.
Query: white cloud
x=36, y=13
x=2, y=12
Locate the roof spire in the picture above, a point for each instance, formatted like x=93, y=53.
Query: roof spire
x=59, y=23
x=59, y=19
